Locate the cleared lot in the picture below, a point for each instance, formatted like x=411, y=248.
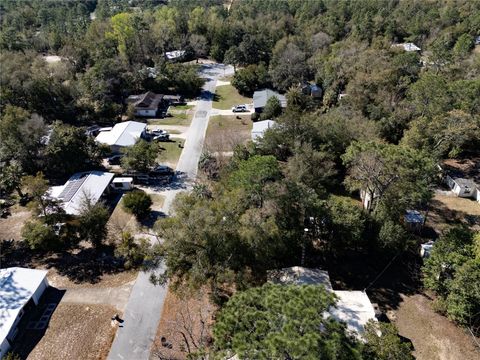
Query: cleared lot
x=227, y=96
x=224, y=132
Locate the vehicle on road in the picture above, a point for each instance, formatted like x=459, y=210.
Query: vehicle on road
x=239, y=108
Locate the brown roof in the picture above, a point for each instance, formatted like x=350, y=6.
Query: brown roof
x=147, y=101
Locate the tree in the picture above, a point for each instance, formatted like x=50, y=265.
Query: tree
x=93, y=220
x=36, y=187
x=199, y=45
x=383, y=343
x=70, y=150
x=140, y=157
x=281, y=322
x=272, y=109
x=11, y=178
x=463, y=46
x=288, y=66
x=233, y=56
x=388, y=172
x=251, y=78
x=138, y=203
x=39, y=236
x=429, y=95
x=132, y=252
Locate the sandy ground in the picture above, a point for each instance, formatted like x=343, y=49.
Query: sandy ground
x=11, y=227
x=221, y=83
x=77, y=332
x=116, y=296
x=433, y=336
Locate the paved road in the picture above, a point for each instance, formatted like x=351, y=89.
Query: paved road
x=144, y=308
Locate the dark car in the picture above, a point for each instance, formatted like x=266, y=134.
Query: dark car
x=161, y=170
x=115, y=159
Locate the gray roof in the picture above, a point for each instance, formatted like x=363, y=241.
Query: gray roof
x=260, y=98
x=298, y=275
x=465, y=182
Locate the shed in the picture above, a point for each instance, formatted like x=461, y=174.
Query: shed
x=72, y=194
x=414, y=220
x=20, y=291
x=259, y=128
x=426, y=249
x=122, y=183
x=409, y=47
x=261, y=97
x=175, y=55
x=122, y=135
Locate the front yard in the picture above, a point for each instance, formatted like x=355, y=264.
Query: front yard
x=224, y=132
x=181, y=115
x=227, y=96
x=170, y=152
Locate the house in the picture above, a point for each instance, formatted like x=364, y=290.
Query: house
x=261, y=97
x=352, y=307
x=414, y=220
x=312, y=90
x=175, y=55
x=146, y=105
x=90, y=185
x=409, y=47
x=122, y=183
x=122, y=135
x=260, y=127
x=20, y=291
x=462, y=177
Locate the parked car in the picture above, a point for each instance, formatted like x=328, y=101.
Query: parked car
x=161, y=170
x=162, y=137
x=115, y=159
x=240, y=108
x=157, y=132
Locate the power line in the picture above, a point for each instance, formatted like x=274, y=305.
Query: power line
x=381, y=273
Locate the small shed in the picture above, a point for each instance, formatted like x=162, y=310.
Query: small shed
x=414, y=220
x=122, y=183
x=408, y=47
x=426, y=249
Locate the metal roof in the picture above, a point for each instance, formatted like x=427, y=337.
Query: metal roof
x=261, y=97
x=122, y=134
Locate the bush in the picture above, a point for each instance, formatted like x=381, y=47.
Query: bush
x=137, y=203
x=39, y=236
x=133, y=253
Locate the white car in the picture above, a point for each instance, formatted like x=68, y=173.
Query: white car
x=240, y=108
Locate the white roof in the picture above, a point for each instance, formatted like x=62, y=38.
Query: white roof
x=260, y=127
x=408, y=46
x=91, y=184
x=353, y=308
x=122, y=179
x=17, y=285
x=123, y=134
x=174, y=54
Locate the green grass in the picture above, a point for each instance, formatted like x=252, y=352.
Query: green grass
x=170, y=152
x=181, y=119
x=180, y=107
x=227, y=96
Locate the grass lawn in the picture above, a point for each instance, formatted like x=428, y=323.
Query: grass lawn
x=227, y=96
x=183, y=118
x=224, y=132
x=170, y=152
x=180, y=107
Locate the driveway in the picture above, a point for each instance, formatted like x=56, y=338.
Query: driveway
x=144, y=308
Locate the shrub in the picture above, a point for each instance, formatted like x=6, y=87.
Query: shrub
x=137, y=203
x=39, y=236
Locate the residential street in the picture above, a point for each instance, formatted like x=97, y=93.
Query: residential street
x=144, y=308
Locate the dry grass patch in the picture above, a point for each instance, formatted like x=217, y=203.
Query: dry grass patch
x=11, y=227
x=185, y=325
x=225, y=132
x=433, y=336
x=451, y=210
x=77, y=332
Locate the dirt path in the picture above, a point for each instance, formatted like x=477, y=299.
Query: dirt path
x=116, y=296
x=11, y=227
x=433, y=336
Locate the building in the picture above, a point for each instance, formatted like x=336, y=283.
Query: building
x=122, y=135
x=409, y=47
x=90, y=185
x=352, y=307
x=122, y=183
x=146, y=105
x=259, y=128
x=175, y=55
x=414, y=220
x=261, y=97
x=20, y=291
x=462, y=177
x=312, y=90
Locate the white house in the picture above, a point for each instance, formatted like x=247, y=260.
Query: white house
x=122, y=135
x=260, y=127
x=79, y=187
x=462, y=187
x=409, y=47
x=352, y=307
x=147, y=104
x=20, y=291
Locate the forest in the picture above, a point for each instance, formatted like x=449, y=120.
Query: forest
x=386, y=119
